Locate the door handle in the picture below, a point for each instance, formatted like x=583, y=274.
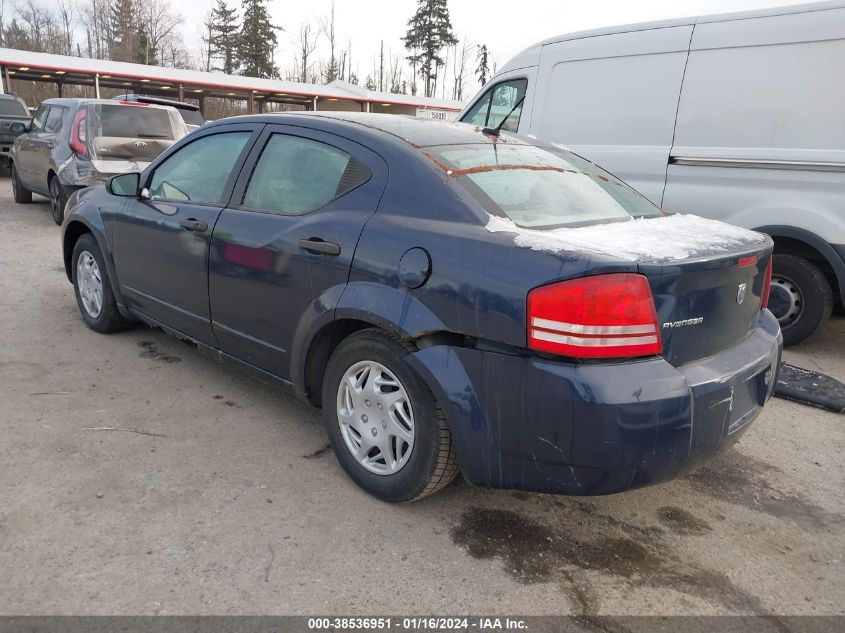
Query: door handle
x=319, y=246
x=192, y=224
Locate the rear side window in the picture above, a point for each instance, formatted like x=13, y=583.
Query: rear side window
x=191, y=117
x=495, y=105
x=128, y=121
x=54, y=119
x=199, y=171
x=296, y=175
x=541, y=187
x=12, y=107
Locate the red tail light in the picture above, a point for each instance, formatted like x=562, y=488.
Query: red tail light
x=78, y=137
x=135, y=103
x=605, y=316
x=767, y=285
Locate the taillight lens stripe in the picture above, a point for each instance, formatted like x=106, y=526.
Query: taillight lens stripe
x=579, y=341
x=597, y=330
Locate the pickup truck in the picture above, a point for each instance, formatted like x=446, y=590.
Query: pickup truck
x=12, y=110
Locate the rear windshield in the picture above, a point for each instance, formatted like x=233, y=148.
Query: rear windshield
x=8, y=107
x=541, y=187
x=130, y=121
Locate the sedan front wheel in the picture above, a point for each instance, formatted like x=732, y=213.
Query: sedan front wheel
x=92, y=287
x=384, y=424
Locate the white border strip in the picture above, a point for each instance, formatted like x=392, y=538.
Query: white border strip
x=577, y=341
x=601, y=330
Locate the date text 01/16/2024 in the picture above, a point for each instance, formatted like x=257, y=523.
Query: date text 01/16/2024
x=416, y=623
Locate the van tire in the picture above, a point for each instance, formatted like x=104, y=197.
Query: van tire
x=22, y=194
x=801, y=297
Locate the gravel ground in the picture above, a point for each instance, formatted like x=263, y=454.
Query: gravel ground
x=229, y=502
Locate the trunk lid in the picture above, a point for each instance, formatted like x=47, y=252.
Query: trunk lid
x=708, y=304
x=121, y=132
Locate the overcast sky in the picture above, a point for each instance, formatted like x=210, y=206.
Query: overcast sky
x=506, y=27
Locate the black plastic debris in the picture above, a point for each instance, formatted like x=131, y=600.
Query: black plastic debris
x=810, y=387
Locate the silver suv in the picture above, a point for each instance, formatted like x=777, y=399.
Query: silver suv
x=76, y=143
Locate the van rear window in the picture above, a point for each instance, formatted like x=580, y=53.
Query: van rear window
x=128, y=121
x=540, y=186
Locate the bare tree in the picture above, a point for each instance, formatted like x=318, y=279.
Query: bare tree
x=307, y=45
x=66, y=17
x=332, y=69
x=94, y=15
x=459, y=66
x=157, y=21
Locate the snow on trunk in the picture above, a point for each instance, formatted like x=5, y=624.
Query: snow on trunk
x=647, y=239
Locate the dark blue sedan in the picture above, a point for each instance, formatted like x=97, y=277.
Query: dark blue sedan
x=454, y=299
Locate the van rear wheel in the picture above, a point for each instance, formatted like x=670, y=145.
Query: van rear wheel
x=800, y=298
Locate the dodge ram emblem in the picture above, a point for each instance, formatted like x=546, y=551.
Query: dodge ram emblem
x=740, y=293
x=140, y=144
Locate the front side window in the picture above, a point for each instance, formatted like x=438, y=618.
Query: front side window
x=541, y=187
x=296, y=175
x=495, y=105
x=199, y=171
x=39, y=118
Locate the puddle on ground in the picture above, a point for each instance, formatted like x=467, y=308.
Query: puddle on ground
x=744, y=481
x=562, y=551
x=151, y=351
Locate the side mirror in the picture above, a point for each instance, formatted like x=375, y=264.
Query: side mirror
x=18, y=128
x=124, y=185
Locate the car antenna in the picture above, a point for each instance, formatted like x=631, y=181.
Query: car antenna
x=496, y=130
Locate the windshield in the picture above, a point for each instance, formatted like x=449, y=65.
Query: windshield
x=541, y=187
x=9, y=107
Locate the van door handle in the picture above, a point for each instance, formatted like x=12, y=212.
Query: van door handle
x=192, y=224
x=319, y=246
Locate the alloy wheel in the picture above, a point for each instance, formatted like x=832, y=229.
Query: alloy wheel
x=89, y=284
x=55, y=200
x=376, y=417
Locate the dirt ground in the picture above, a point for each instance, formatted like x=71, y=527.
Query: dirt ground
x=226, y=500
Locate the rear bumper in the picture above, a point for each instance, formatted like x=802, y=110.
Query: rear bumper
x=532, y=424
x=80, y=172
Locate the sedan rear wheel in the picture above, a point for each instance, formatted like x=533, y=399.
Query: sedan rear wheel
x=93, y=291
x=384, y=424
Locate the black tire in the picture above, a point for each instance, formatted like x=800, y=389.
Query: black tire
x=432, y=463
x=109, y=318
x=800, y=298
x=58, y=200
x=22, y=194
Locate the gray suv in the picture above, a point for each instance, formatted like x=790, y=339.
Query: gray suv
x=76, y=143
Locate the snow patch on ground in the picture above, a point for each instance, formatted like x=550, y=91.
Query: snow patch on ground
x=647, y=239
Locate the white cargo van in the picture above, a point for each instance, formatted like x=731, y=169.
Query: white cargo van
x=738, y=117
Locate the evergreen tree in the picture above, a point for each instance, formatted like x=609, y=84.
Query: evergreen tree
x=429, y=32
x=144, y=52
x=257, y=41
x=223, y=35
x=483, y=69
x=123, y=46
